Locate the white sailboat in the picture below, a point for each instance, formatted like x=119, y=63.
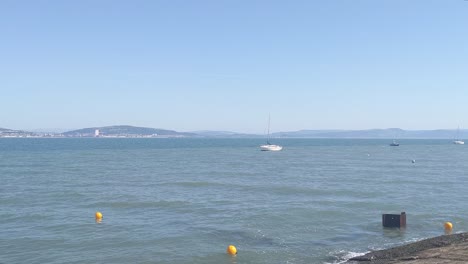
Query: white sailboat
x=268, y=146
x=394, y=144
x=458, y=141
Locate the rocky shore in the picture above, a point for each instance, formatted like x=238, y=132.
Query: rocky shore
x=440, y=250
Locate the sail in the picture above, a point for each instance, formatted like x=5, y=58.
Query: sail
x=457, y=140
x=269, y=146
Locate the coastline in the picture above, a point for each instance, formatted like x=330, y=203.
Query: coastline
x=442, y=249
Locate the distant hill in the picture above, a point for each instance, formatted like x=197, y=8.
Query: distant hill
x=390, y=133
x=125, y=131
x=6, y=132
x=132, y=131
x=224, y=134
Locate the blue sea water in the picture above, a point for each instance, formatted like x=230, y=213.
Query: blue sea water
x=186, y=200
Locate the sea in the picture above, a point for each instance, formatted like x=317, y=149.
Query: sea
x=181, y=200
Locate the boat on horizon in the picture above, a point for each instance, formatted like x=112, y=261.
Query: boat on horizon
x=268, y=146
x=394, y=144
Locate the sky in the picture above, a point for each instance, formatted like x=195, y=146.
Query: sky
x=228, y=65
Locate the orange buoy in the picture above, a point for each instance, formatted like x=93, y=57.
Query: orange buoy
x=448, y=226
x=231, y=250
x=98, y=215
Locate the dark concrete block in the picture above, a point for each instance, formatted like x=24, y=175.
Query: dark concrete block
x=394, y=220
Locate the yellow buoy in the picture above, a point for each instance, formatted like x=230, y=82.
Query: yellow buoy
x=231, y=250
x=98, y=216
x=448, y=226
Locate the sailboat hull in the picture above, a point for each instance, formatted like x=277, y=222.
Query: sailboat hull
x=270, y=147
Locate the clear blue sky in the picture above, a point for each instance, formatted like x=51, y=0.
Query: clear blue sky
x=227, y=65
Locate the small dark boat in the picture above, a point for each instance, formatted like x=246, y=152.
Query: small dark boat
x=394, y=144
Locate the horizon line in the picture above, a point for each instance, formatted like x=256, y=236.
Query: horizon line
x=53, y=130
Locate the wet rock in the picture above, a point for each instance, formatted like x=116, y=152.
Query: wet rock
x=440, y=250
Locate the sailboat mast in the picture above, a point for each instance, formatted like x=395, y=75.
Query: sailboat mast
x=268, y=137
x=269, y=146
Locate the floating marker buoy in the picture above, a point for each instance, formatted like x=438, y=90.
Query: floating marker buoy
x=98, y=216
x=448, y=226
x=231, y=250
x=413, y=161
